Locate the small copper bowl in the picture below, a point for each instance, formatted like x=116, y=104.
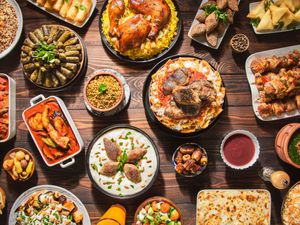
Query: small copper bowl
x=98, y=111
x=282, y=142
x=157, y=199
x=7, y=156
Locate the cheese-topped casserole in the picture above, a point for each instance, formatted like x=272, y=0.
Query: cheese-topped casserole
x=291, y=207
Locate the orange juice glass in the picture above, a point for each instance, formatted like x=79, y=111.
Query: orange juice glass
x=115, y=215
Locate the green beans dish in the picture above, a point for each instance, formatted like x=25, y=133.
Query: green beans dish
x=52, y=56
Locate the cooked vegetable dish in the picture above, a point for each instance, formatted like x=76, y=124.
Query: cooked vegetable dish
x=73, y=10
x=190, y=159
x=186, y=94
x=103, y=91
x=294, y=148
x=48, y=207
x=51, y=131
x=277, y=79
x=4, y=110
x=157, y=213
x=52, y=56
x=140, y=29
x=19, y=165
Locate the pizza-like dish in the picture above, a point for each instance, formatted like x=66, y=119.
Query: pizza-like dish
x=291, y=207
x=186, y=94
x=233, y=207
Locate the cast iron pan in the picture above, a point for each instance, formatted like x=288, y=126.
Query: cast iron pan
x=150, y=115
x=101, y=133
x=127, y=59
x=81, y=72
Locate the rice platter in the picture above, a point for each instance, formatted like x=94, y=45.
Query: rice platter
x=141, y=45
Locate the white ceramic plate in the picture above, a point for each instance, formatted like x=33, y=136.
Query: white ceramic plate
x=94, y=2
x=254, y=4
x=24, y=197
x=251, y=80
x=202, y=39
x=19, y=31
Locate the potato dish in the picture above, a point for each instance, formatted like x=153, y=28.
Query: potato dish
x=291, y=206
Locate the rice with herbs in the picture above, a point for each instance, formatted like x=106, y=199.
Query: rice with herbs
x=103, y=92
x=8, y=25
x=149, y=48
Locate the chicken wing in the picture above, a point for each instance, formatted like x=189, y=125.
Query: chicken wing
x=157, y=9
x=133, y=32
x=116, y=9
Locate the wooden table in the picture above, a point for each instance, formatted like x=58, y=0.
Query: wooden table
x=238, y=115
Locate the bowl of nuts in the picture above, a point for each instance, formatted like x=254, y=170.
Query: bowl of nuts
x=190, y=159
x=239, y=43
x=19, y=164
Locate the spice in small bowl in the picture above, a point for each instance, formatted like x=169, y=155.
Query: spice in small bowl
x=190, y=159
x=103, y=92
x=239, y=43
x=19, y=164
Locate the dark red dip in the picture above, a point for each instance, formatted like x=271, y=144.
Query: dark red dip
x=239, y=149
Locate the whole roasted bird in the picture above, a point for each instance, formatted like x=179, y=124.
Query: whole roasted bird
x=157, y=9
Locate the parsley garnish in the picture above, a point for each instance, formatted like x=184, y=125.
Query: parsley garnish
x=102, y=88
x=255, y=22
x=122, y=160
x=45, y=52
x=221, y=14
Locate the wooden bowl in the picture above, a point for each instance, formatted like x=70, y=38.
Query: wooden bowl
x=237, y=40
x=117, y=104
x=158, y=199
x=282, y=142
x=26, y=152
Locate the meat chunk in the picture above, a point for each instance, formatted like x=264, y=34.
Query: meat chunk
x=211, y=22
x=230, y=15
x=198, y=30
x=222, y=4
x=173, y=111
x=201, y=17
x=233, y=5
x=132, y=173
x=186, y=96
x=207, y=4
x=135, y=155
x=212, y=38
x=179, y=77
x=157, y=9
x=205, y=89
x=109, y=169
x=116, y=9
x=221, y=29
x=133, y=32
x=112, y=149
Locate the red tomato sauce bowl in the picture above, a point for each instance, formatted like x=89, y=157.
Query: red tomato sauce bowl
x=53, y=130
x=240, y=149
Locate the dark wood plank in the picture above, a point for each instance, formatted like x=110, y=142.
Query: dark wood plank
x=237, y=115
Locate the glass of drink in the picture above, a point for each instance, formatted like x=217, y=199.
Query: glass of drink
x=115, y=215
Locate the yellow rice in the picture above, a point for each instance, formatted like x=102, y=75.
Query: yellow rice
x=149, y=48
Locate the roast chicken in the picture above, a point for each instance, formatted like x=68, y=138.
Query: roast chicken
x=157, y=9
x=116, y=9
x=133, y=32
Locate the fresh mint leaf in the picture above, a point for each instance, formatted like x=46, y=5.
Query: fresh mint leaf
x=102, y=88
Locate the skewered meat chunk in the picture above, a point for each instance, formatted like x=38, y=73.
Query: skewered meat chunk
x=116, y=9
x=133, y=32
x=135, y=155
x=157, y=9
x=109, y=169
x=112, y=149
x=132, y=173
x=179, y=168
x=211, y=22
x=189, y=164
x=197, y=155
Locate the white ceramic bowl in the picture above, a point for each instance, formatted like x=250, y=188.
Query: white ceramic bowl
x=24, y=197
x=256, y=149
x=11, y=107
x=19, y=31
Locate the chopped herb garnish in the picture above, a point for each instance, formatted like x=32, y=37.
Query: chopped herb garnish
x=121, y=143
x=94, y=167
x=255, y=22
x=221, y=14
x=82, y=7
x=120, y=180
x=45, y=52
x=132, y=186
x=132, y=145
x=122, y=160
x=109, y=187
x=127, y=135
x=118, y=189
x=102, y=88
